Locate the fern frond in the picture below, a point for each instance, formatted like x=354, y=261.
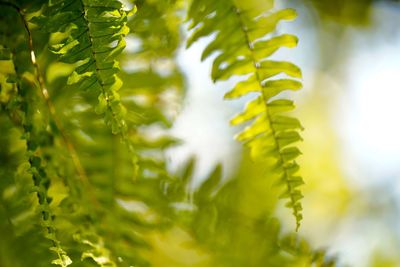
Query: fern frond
x=37, y=137
x=94, y=34
x=111, y=173
x=242, y=30
x=23, y=107
x=97, y=250
x=299, y=247
x=20, y=227
x=227, y=225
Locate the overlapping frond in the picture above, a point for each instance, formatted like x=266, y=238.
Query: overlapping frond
x=92, y=39
x=45, y=155
x=23, y=110
x=243, y=42
x=110, y=175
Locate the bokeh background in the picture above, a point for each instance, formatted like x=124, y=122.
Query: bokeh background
x=349, y=52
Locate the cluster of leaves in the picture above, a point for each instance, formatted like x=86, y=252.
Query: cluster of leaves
x=83, y=170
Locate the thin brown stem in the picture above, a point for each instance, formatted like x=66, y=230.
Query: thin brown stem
x=46, y=96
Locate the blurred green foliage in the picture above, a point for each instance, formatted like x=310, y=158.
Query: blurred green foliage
x=342, y=11
x=89, y=89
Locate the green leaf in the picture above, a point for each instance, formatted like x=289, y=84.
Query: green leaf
x=275, y=87
x=252, y=109
x=268, y=69
x=5, y=53
x=259, y=126
x=279, y=106
x=290, y=153
x=243, y=88
x=287, y=138
x=267, y=24
x=265, y=48
x=239, y=67
x=284, y=122
x=64, y=261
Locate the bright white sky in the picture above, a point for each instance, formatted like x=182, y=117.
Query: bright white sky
x=371, y=124
x=204, y=121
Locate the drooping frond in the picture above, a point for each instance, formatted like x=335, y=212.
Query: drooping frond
x=92, y=39
x=243, y=43
x=110, y=175
x=46, y=156
x=24, y=107
x=296, y=245
x=23, y=111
